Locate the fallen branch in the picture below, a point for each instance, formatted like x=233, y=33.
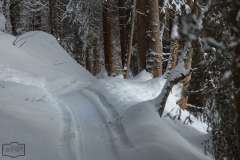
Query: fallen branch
x=16, y=40
x=177, y=75
x=39, y=100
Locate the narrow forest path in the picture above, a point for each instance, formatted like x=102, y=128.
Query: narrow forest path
x=92, y=129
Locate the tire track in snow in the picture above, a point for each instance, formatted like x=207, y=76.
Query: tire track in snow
x=68, y=136
x=94, y=138
x=107, y=135
x=123, y=147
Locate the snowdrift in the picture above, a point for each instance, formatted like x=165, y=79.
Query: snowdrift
x=158, y=138
x=29, y=71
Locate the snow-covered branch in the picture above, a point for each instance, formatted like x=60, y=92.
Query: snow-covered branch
x=176, y=76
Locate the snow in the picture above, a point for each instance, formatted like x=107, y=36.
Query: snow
x=2, y=22
x=60, y=111
x=174, y=34
x=227, y=75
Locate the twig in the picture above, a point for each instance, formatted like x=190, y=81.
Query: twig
x=41, y=99
x=111, y=123
x=188, y=120
x=2, y=85
x=60, y=63
x=22, y=44
x=16, y=41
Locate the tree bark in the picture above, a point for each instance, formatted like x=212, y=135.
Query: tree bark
x=5, y=14
x=89, y=65
x=123, y=30
x=174, y=55
x=186, y=81
x=107, y=37
x=154, y=47
x=188, y=63
x=14, y=16
x=236, y=67
x=96, y=59
x=51, y=13
x=173, y=23
x=131, y=37
x=141, y=30
x=55, y=15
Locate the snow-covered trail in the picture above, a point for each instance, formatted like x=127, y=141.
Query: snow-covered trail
x=92, y=134
x=94, y=129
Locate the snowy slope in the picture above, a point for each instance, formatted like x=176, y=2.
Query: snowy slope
x=59, y=111
x=28, y=74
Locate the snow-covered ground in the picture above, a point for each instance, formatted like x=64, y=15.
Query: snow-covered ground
x=2, y=22
x=60, y=111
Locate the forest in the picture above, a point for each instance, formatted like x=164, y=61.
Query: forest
x=192, y=42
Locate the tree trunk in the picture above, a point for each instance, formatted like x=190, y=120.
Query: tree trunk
x=236, y=79
x=55, y=15
x=14, y=16
x=107, y=37
x=131, y=37
x=96, y=59
x=186, y=81
x=188, y=63
x=154, y=47
x=135, y=61
x=123, y=30
x=141, y=30
x=236, y=67
x=173, y=27
x=5, y=15
x=51, y=17
x=179, y=74
x=89, y=64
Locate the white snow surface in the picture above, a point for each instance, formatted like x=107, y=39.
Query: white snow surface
x=2, y=22
x=61, y=112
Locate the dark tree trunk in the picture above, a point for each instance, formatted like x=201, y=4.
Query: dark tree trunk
x=96, y=59
x=123, y=30
x=107, y=37
x=5, y=14
x=89, y=65
x=236, y=65
x=130, y=42
x=141, y=32
x=51, y=16
x=14, y=16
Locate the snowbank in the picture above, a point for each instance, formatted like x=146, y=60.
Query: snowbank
x=40, y=55
x=158, y=138
x=29, y=113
